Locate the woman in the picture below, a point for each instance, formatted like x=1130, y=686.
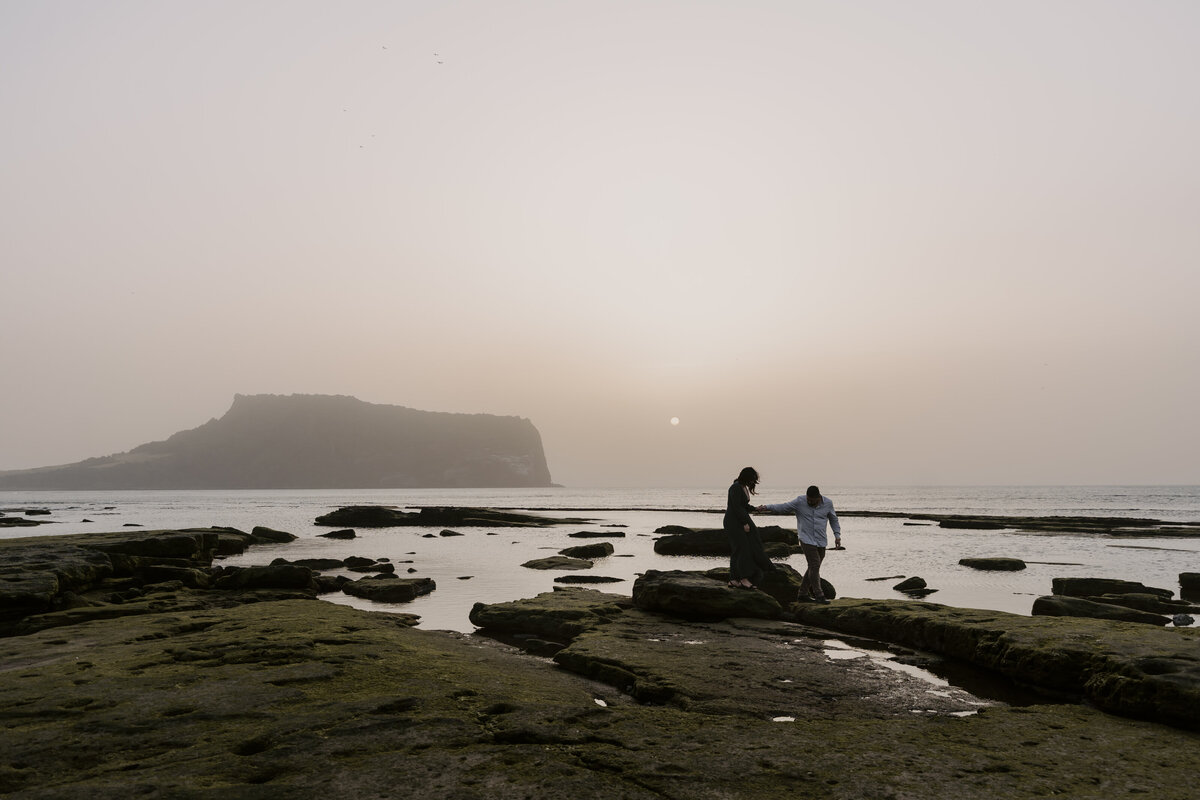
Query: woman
x=747, y=559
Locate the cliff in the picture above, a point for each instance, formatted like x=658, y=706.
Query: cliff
x=316, y=442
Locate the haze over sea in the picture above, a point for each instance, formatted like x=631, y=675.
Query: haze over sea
x=484, y=565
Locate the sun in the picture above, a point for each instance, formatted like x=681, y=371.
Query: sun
x=674, y=420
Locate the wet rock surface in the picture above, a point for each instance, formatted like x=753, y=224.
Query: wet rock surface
x=1125, y=668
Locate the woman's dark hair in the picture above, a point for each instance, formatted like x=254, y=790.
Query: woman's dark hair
x=748, y=477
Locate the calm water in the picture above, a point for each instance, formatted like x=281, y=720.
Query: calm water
x=484, y=564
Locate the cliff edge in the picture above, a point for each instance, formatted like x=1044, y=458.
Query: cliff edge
x=316, y=442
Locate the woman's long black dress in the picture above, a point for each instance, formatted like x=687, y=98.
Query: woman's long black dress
x=747, y=559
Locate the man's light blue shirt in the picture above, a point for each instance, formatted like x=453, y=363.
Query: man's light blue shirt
x=810, y=520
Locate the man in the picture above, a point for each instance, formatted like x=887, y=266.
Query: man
x=812, y=512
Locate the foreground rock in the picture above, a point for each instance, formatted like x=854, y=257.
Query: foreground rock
x=389, y=517
x=303, y=699
x=1129, y=669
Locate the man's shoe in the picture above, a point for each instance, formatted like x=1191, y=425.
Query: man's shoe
x=821, y=600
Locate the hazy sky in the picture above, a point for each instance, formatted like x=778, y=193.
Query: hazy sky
x=845, y=242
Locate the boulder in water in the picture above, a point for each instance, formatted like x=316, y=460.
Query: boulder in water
x=389, y=589
x=558, y=562
x=1067, y=606
x=1090, y=587
x=995, y=564
x=597, y=550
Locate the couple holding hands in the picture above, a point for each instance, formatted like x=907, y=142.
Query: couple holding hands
x=748, y=561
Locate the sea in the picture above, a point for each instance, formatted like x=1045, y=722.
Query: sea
x=484, y=565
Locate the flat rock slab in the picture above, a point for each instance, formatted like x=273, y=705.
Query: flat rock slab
x=994, y=564
x=757, y=668
x=437, y=517
x=305, y=699
x=681, y=541
x=1089, y=587
x=587, y=579
x=1105, y=526
x=558, y=562
x=20, y=522
x=1065, y=606
x=1126, y=668
x=389, y=589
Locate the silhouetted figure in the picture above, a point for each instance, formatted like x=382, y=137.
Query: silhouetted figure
x=747, y=559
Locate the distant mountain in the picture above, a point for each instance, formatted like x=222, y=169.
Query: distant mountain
x=316, y=442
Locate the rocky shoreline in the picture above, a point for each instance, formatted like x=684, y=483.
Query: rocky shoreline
x=134, y=666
